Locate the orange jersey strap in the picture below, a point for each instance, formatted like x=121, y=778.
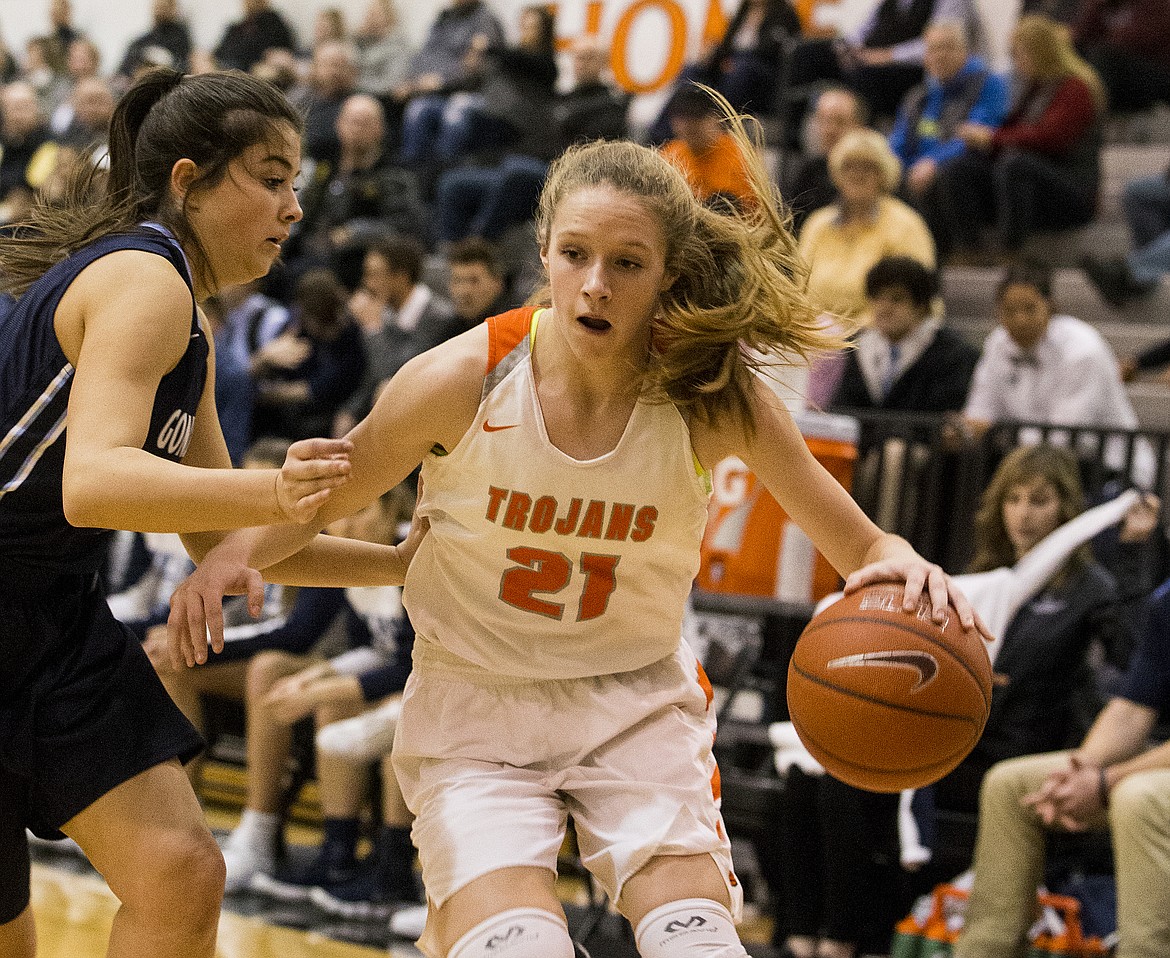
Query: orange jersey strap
x=509, y=343
x=506, y=332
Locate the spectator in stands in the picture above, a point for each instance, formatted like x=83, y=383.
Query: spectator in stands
x=1048, y=610
x=61, y=35
x=256, y=656
x=837, y=111
x=958, y=89
x=234, y=389
x=167, y=42
x=1044, y=368
x=1040, y=171
x=842, y=242
x=880, y=59
x=332, y=79
x=245, y=41
x=486, y=201
x=359, y=197
x=28, y=153
x=703, y=149
x=746, y=63
x=49, y=85
x=440, y=68
x=1123, y=280
x=1046, y=691
x=329, y=26
x=282, y=680
x=83, y=62
x=305, y=374
x=384, y=52
x=905, y=359
x=400, y=317
x=1125, y=41
x=595, y=107
x=9, y=68
x=91, y=107
x=1114, y=780
x=477, y=283
x=511, y=107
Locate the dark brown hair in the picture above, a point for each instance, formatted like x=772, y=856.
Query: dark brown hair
x=209, y=119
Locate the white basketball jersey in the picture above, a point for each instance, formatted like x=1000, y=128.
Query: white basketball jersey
x=539, y=565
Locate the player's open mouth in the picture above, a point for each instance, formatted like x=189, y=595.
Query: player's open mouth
x=592, y=322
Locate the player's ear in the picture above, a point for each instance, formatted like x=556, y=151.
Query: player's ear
x=544, y=256
x=183, y=175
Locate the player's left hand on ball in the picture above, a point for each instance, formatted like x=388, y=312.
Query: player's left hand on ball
x=312, y=469
x=920, y=576
x=197, y=608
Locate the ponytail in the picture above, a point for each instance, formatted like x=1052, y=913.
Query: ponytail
x=126, y=123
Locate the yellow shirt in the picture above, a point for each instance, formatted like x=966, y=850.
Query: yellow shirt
x=839, y=255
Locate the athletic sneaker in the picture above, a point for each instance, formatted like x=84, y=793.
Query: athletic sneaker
x=334, y=864
x=386, y=879
x=366, y=737
x=409, y=922
x=245, y=859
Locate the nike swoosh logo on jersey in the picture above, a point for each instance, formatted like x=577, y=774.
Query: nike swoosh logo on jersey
x=925, y=664
x=488, y=427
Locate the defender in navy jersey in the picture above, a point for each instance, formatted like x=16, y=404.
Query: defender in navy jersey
x=108, y=421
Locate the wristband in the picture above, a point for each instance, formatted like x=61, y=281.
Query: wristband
x=1102, y=787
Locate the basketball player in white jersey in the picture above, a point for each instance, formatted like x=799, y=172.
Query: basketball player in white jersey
x=566, y=450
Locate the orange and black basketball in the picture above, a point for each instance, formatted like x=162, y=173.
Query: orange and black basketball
x=886, y=699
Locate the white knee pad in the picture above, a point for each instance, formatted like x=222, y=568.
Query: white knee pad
x=516, y=933
x=692, y=928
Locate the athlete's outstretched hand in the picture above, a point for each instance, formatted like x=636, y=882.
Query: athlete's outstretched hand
x=312, y=469
x=920, y=576
x=197, y=607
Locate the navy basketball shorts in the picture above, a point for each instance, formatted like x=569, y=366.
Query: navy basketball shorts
x=81, y=712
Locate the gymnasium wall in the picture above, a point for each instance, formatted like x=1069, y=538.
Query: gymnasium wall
x=648, y=39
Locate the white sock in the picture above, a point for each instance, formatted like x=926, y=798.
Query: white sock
x=258, y=829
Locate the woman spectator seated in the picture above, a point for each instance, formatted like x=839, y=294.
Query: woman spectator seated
x=305, y=374
x=1040, y=171
x=905, y=359
x=746, y=64
x=843, y=241
x=1056, y=611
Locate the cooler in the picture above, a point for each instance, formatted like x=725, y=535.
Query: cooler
x=750, y=546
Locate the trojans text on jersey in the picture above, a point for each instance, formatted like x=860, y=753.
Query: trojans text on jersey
x=596, y=519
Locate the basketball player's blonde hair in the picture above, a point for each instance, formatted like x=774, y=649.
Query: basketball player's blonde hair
x=739, y=300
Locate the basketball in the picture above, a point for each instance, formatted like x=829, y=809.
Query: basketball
x=886, y=699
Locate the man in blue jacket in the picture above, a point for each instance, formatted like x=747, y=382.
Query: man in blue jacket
x=958, y=89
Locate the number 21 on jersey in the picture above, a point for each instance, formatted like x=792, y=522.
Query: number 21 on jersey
x=539, y=572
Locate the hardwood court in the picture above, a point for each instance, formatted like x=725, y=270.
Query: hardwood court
x=74, y=913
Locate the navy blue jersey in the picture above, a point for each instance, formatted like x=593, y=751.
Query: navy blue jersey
x=35, y=380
